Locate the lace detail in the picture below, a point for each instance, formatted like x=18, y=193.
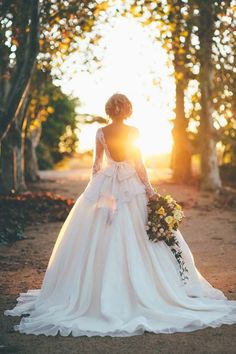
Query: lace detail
x=141, y=170
x=143, y=175
x=139, y=165
x=98, y=154
x=103, y=140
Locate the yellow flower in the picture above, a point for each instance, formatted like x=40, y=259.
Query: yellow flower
x=169, y=219
x=178, y=207
x=161, y=211
x=169, y=198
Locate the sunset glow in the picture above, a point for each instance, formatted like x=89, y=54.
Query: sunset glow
x=136, y=66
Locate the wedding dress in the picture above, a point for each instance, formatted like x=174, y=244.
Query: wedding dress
x=105, y=277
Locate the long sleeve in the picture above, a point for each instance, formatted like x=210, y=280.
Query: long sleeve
x=98, y=154
x=141, y=170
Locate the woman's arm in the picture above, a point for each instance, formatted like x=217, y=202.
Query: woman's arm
x=98, y=154
x=141, y=170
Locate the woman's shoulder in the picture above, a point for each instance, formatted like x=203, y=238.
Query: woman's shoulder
x=133, y=130
x=105, y=127
x=99, y=134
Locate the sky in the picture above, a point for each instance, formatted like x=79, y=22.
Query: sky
x=132, y=64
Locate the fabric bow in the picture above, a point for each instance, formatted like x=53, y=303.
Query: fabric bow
x=122, y=170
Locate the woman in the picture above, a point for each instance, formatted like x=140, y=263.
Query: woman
x=104, y=276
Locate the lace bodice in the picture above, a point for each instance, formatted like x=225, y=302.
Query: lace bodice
x=135, y=158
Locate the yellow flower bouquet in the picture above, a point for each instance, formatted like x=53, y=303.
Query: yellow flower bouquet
x=164, y=217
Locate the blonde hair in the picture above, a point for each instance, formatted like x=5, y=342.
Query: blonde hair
x=118, y=106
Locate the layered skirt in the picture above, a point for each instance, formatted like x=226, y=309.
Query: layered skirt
x=105, y=277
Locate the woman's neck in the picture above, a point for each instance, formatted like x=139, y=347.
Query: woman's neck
x=118, y=123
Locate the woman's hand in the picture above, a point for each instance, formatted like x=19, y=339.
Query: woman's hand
x=153, y=197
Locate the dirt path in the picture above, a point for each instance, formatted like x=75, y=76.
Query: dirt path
x=210, y=233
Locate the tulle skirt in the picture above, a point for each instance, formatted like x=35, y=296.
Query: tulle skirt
x=105, y=277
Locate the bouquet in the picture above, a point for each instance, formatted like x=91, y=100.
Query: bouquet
x=164, y=217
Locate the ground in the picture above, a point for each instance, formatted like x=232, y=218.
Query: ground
x=210, y=231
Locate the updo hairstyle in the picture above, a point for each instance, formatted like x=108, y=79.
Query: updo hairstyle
x=118, y=107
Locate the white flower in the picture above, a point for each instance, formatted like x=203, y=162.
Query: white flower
x=169, y=198
x=149, y=223
x=178, y=215
x=147, y=228
x=161, y=230
x=154, y=229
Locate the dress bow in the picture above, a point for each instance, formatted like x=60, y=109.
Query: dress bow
x=122, y=170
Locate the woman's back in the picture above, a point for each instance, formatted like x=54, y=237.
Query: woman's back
x=119, y=139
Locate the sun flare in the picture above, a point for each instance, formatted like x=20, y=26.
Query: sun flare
x=137, y=66
x=155, y=141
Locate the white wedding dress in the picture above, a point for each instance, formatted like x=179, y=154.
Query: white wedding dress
x=105, y=277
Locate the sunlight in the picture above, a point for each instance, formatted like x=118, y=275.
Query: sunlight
x=136, y=66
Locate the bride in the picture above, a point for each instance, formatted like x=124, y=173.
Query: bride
x=104, y=276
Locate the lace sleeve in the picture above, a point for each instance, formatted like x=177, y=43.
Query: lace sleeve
x=98, y=154
x=141, y=170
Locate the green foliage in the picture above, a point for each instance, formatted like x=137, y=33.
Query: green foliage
x=59, y=130
x=44, y=33
x=62, y=25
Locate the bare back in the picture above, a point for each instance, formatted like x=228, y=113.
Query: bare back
x=119, y=137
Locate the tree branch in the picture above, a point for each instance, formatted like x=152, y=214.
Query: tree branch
x=18, y=94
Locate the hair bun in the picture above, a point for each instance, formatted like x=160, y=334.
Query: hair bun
x=118, y=106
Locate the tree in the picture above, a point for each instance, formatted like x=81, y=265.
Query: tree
x=215, y=23
x=62, y=26
x=18, y=29
x=58, y=136
x=180, y=24
x=210, y=177
x=223, y=57
x=191, y=30
x=24, y=35
x=172, y=22
x=37, y=112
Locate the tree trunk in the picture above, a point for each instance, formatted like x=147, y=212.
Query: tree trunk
x=31, y=161
x=210, y=177
x=17, y=92
x=12, y=163
x=12, y=154
x=181, y=152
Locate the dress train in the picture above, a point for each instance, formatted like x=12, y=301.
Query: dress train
x=105, y=277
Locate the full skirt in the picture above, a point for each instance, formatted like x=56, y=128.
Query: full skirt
x=105, y=277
